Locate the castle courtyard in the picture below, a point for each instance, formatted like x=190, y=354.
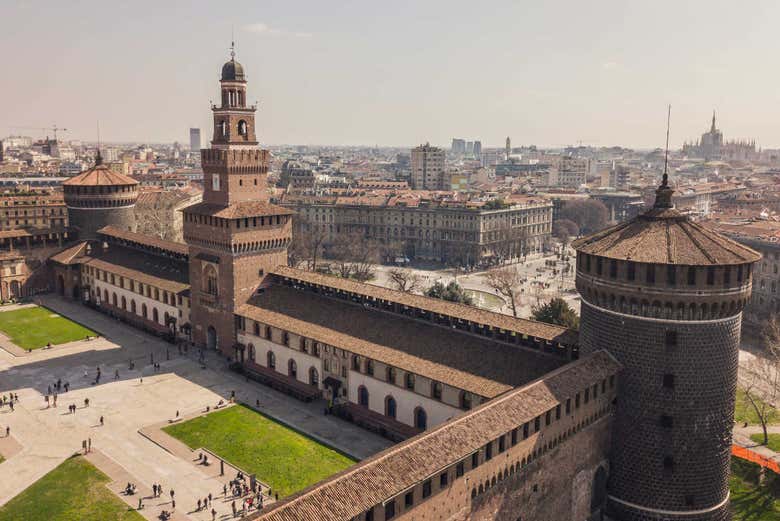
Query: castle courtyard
x=129, y=446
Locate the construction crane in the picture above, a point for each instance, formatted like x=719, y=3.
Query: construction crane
x=54, y=129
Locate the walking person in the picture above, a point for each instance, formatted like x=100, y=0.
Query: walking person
x=101, y=421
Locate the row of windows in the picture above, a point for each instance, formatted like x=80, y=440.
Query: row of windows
x=42, y=212
x=136, y=287
x=690, y=275
x=362, y=365
x=502, y=444
x=133, y=308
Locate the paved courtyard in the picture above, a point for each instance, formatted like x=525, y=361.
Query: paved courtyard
x=41, y=437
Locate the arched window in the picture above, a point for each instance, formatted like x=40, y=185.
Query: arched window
x=390, y=407
x=124, y=303
x=363, y=396
x=144, y=311
x=355, y=363
x=465, y=400
x=105, y=296
x=391, y=375
x=132, y=305
x=409, y=380
x=314, y=376
x=242, y=128
x=268, y=332
x=251, y=352
x=223, y=128
x=271, y=360
x=292, y=368
x=420, y=418
x=256, y=329
x=370, y=367
x=436, y=390
x=155, y=315
x=210, y=280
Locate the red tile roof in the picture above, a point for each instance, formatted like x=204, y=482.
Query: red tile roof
x=391, y=472
x=238, y=210
x=100, y=175
x=664, y=236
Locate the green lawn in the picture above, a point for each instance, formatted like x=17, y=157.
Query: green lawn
x=74, y=491
x=749, y=501
x=774, y=440
x=743, y=411
x=32, y=328
x=277, y=455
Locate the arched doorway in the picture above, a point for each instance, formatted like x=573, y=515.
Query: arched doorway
x=16, y=289
x=363, y=396
x=314, y=376
x=420, y=419
x=390, y=407
x=60, y=285
x=292, y=368
x=599, y=493
x=211, y=337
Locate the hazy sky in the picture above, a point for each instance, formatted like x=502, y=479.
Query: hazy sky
x=397, y=72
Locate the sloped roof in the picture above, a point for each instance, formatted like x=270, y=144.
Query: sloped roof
x=100, y=175
x=665, y=236
x=144, y=240
x=70, y=254
x=522, y=326
x=238, y=210
x=478, y=365
x=402, y=466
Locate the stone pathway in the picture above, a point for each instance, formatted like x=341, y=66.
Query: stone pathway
x=742, y=438
x=49, y=435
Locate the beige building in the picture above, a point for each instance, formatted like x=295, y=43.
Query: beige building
x=428, y=172
x=465, y=233
x=33, y=212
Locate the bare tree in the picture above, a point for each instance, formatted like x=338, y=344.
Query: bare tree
x=405, y=280
x=365, y=256
x=565, y=229
x=507, y=282
x=760, y=379
x=589, y=215
x=308, y=243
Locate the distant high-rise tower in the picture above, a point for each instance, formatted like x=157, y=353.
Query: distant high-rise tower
x=428, y=168
x=458, y=146
x=195, y=140
x=235, y=236
x=477, y=149
x=665, y=295
x=508, y=147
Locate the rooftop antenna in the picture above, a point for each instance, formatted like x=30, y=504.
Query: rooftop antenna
x=232, y=43
x=98, y=158
x=665, y=179
x=663, y=195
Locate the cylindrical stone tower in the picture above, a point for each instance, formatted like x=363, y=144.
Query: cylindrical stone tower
x=665, y=295
x=100, y=197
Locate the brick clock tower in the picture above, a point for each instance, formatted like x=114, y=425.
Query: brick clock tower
x=235, y=235
x=665, y=295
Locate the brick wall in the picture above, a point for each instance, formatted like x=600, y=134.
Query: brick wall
x=674, y=417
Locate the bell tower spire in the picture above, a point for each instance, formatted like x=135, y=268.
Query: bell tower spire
x=235, y=236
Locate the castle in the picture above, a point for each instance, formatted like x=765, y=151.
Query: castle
x=495, y=417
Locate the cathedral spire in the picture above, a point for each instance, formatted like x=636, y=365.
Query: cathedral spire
x=712, y=129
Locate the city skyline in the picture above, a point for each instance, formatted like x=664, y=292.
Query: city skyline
x=396, y=75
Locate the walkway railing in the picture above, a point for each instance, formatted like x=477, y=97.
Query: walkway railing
x=754, y=457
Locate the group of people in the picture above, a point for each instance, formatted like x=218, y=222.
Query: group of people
x=9, y=400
